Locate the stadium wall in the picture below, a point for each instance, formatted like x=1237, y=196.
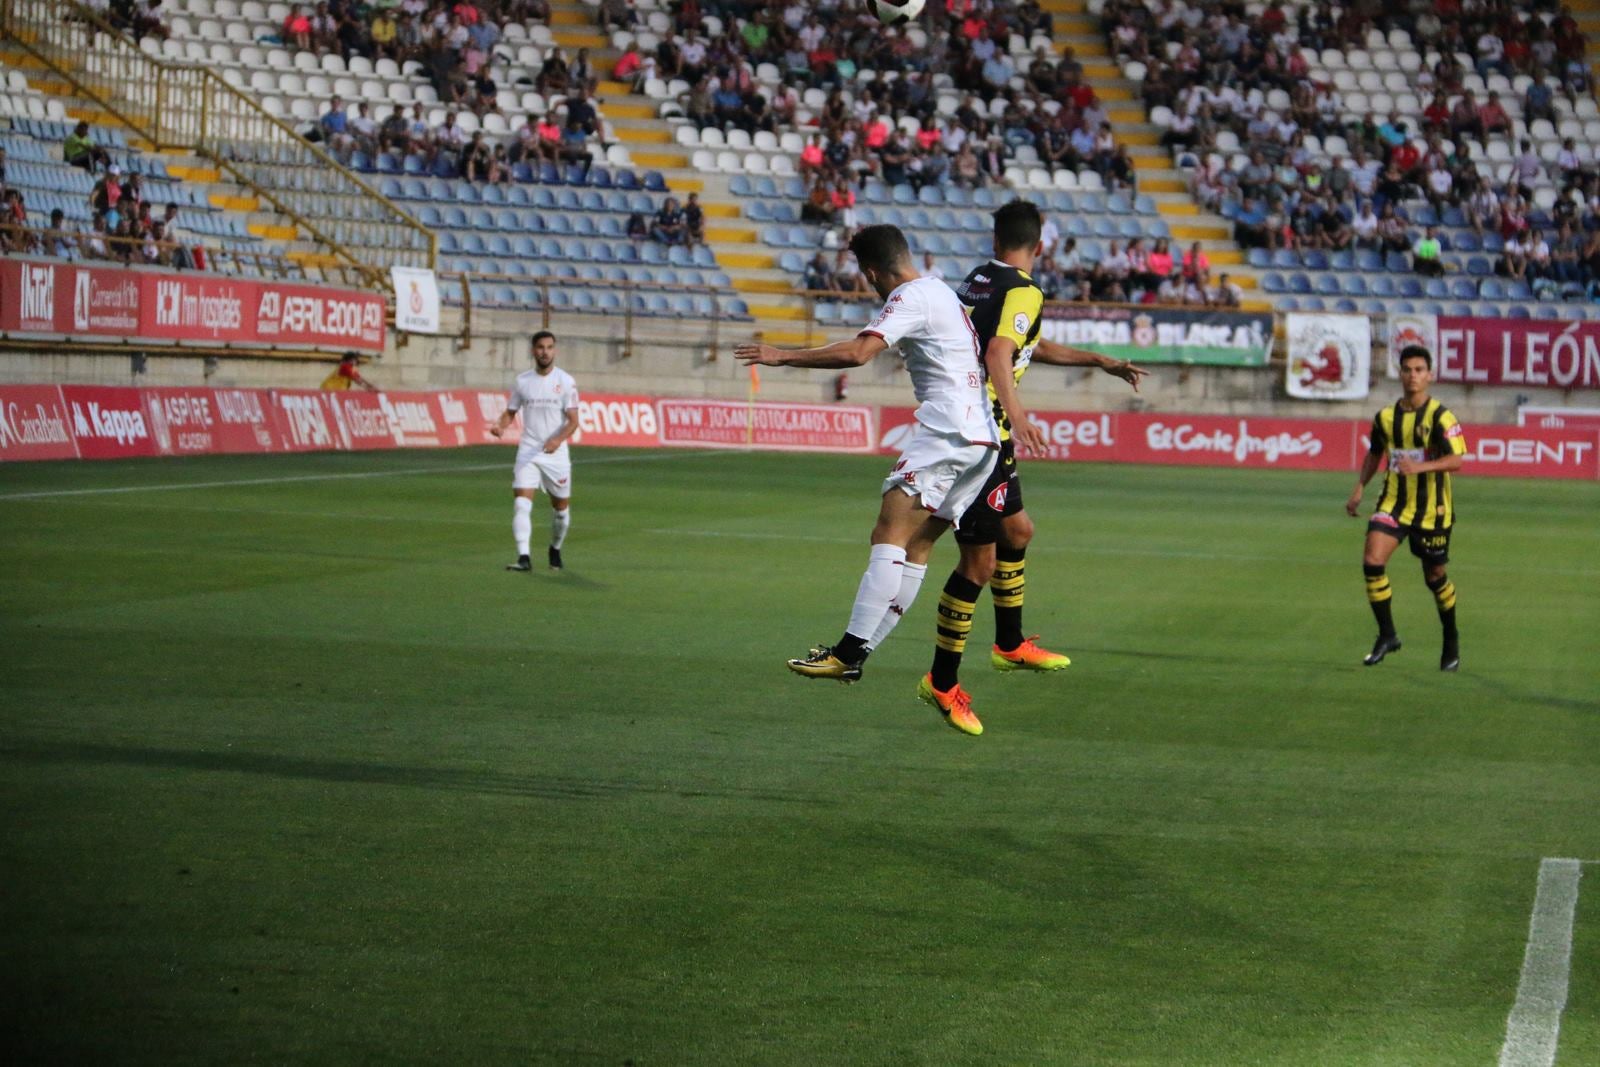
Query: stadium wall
x=39, y=422
x=679, y=365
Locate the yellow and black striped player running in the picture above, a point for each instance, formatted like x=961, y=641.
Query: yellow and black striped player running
x=1424, y=444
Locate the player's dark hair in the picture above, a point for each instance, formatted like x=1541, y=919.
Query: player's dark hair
x=880, y=247
x=1017, y=225
x=540, y=336
x=1416, y=352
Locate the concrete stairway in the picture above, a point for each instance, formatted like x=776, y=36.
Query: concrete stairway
x=1075, y=28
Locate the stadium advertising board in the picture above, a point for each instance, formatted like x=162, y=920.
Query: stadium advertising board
x=1532, y=452
x=1329, y=357
x=1230, y=441
x=34, y=424
x=772, y=426
x=1542, y=353
x=1559, y=418
x=1152, y=334
x=190, y=421
x=109, y=423
x=56, y=298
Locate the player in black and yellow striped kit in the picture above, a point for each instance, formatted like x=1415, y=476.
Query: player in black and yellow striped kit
x=1006, y=309
x=1424, y=444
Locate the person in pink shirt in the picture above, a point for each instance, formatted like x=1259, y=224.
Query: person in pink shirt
x=811, y=156
x=1196, y=264
x=930, y=136
x=1161, y=259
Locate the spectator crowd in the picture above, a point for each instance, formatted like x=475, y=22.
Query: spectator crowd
x=1270, y=143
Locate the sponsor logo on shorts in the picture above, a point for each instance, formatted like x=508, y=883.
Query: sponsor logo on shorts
x=1383, y=518
x=997, y=498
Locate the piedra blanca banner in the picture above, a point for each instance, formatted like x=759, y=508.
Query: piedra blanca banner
x=102, y=422
x=1155, y=334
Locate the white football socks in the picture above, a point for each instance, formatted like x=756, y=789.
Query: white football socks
x=522, y=523
x=559, y=521
x=877, y=591
x=911, y=575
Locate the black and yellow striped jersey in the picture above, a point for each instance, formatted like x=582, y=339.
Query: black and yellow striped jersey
x=1003, y=302
x=1430, y=432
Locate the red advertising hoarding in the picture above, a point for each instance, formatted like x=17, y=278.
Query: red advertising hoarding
x=71, y=299
x=780, y=427
x=109, y=423
x=1532, y=452
x=95, y=422
x=34, y=424
x=1536, y=353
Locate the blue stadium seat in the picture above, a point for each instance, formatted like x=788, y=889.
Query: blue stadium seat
x=1468, y=242
x=1348, y=306
x=1285, y=258
x=654, y=182
x=1288, y=303
x=1517, y=311
x=1480, y=266
x=472, y=244
x=625, y=179
x=1381, y=285
x=1299, y=283
x=1464, y=289
x=600, y=177
x=558, y=223
x=1313, y=303
x=613, y=227
x=1411, y=286
x=1317, y=259
x=498, y=244
x=1436, y=289
x=1352, y=284
x=1327, y=285
x=1273, y=282
x=1397, y=263
x=523, y=174
x=1369, y=259
x=584, y=226
x=1259, y=258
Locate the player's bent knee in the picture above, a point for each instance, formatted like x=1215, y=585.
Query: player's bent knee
x=976, y=563
x=1017, y=531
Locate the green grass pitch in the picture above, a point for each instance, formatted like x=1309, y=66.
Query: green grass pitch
x=294, y=771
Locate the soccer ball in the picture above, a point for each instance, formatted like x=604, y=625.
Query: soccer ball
x=895, y=12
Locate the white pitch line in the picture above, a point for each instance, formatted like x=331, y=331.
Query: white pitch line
x=288, y=479
x=1534, y=1026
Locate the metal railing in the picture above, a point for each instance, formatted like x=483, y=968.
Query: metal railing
x=182, y=106
x=626, y=315
x=92, y=247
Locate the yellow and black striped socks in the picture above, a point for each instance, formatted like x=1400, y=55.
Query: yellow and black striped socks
x=956, y=605
x=1006, y=588
x=1379, y=595
x=1444, y=596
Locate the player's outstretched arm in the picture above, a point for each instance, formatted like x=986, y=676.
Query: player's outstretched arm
x=1369, y=467
x=1054, y=354
x=841, y=355
x=1444, y=464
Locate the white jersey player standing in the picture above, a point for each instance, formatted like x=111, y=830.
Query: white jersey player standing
x=944, y=465
x=547, y=399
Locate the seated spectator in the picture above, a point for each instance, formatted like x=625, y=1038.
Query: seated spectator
x=847, y=276
x=1227, y=294
x=637, y=229
x=79, y=151
x=1364, y=227
x=581, y=124
x=475, y=158
x=1425, y=255
x=630, y=68
x=843, y=201
x=180, y=255
x=1393, y=233
x=547, y=148
x=364, y=129
x=94, y=242
x=1539, y=256
x=1466, y=118
x=394, y=135
x=297, y=29
x=1538, y=102
x=582, y=74
x=617, y=15
x=668, y=227
x=931, y=268
x=818, y=275
x=60, y=241
x=818, y=207
x=811, y=157
x=107, y=192
x=1250, y=227
x=694, y=222
x=333, y=129
x=1493, y=116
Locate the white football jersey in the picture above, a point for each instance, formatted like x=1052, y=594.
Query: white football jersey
x=926, y=321
x=543, y=400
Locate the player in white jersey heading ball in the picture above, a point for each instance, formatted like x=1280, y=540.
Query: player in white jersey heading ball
x=945, y=463
x=547, y=398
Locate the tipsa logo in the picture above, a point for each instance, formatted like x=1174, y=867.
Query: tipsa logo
x=307, y=426
x=38, y=297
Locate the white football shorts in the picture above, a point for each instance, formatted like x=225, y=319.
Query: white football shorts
x=947, y=471
x=537, y=470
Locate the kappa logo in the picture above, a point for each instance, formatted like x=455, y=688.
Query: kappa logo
x=997, y=498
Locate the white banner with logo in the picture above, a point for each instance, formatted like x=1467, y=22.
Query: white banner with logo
x=416, y=299
x=1330, y=356
x=1408, y=329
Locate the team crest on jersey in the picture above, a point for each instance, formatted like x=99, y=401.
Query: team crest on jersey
x=997, y=498
x=1454, y=430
